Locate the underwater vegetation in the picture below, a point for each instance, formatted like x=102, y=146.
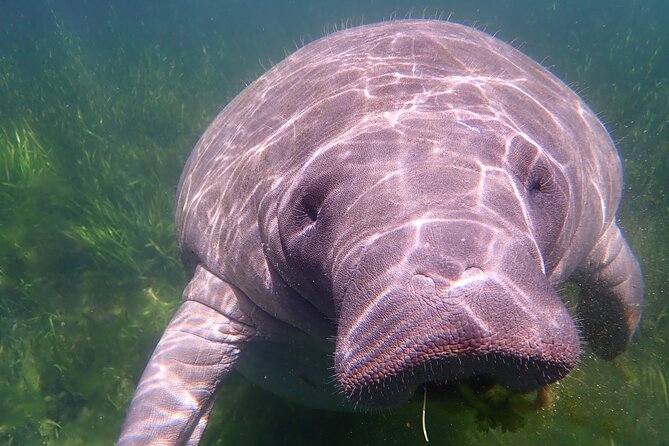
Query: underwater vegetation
x=97, y=117
x=91, y=146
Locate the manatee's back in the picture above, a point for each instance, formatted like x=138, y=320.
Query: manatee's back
x=425, y=81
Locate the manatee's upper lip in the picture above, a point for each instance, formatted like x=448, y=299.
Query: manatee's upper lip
x=400, y=342
x=388, y=380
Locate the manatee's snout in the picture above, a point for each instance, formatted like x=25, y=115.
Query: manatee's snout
x=473, y=304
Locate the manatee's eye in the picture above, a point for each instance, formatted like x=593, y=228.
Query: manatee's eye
x=534, y=186
x=311, y=211
x=548, y=201
x=308, y=210
x=540, y=181
x=307, y=207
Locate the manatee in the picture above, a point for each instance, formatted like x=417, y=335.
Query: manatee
x=391, y=206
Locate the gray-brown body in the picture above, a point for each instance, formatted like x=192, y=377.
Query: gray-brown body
x=413, y=190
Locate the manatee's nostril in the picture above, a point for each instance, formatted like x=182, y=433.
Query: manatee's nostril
x=422, y=285
x=471, y=272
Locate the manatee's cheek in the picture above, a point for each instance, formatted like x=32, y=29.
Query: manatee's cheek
x=546, y=193
x=306, y=218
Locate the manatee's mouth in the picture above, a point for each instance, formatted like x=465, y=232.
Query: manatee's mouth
x=452, y=389
x=444, y=376
x=434, y=320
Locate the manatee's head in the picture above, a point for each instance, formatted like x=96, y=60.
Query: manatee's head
x=429, y=259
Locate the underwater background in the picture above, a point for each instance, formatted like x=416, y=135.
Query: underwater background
x=101, y=103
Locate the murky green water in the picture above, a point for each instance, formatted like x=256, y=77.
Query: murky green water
x=100, y=104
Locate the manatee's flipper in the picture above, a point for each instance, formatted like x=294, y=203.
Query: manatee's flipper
x=611, y=294
x=198, y=348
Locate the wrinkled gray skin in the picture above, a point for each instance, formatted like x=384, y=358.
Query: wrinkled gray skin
x=414, y=190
